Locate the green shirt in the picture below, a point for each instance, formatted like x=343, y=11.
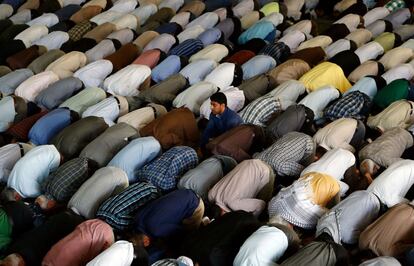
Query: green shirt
x=396, y=90
x=85, y=98
x=5, y=230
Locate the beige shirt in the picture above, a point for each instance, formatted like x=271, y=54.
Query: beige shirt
x=215, y=52
x=397, y=114
x=31, y=34
x=32, y=86
x=66, y=65
x=143, y=116
x=321, y=40
x=395, y=57
x=359, y=36
x=337, y=134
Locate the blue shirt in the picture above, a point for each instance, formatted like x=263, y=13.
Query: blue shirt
x=168, y=67
x=49, y=125
x=218, y=124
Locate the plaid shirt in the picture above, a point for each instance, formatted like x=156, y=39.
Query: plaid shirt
x=394, y=5
x=279, y=51
x=289, y=155
x=66, y=180
x=119, y=211
x=260, y=110
x=80, y=29
x=164, y=171
x=353, y=105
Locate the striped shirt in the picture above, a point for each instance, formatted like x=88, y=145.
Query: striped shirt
x=119, y=211
x=187, y=48
x=260, y=110
x=289, y=155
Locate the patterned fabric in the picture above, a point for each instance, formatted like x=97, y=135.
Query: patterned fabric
x=279, y=51
x=63, y=183
x=289, y=155
x=119, y=211
x=164, y=171
x=259, y=111
x=187, y=48
x=80, y=29
x=394, y=5
x=354, y=105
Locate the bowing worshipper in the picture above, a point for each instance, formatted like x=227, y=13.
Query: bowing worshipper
x=165, y=170
x=211, y=170
x=72, y=139
x=321, y=251
x=397, y=114
x=30, y=172
x=225, y=75
x=194, y=96
x=23, y=58
x=57, y=92
x=326, y=73
x=289, y=155
x=182, y=260
x=251, y=194
x=167, y=68
x=355, y=104
x=369, y=85
x=383, y=260
x=256, y=87
x=294, y=118
x=312, y=55
x=120, y=83
x=20, y=130
x=346, y=220
x=10, y=81
x=83, y=244
x=31, y=247
x=119, y=211
x=210, y=36
x=32, y=86
x=292, y=39
x=10, y=154
x=187, y=46
x=85, y=13
x=53, y=40
x=348, y=61
x=31, y=34
x=345, y=133
x=404, y=71
x=198, y=70
x=392, y=233
x=318, y=41
x=387, y=190
x=168, y=217
x=13, y=109
x=163, y=42
x=145, y=38
x=16, y=218
x=319, y=99
x=240, y=57
x=135, y=155
x=121, y=253
x=306, y=200
x=67, y=64
x=221, y=119
x=84, y=99
x=43, y=131
x=396, y=90
x=143, y=116
x=384, y=151
x=150, y=58
x=368, y=51
x=104, y=183
x=94, y=73
x=39, y=64
x=218, y=243
x=267, y=245
x=258, y=65
x=177, y=127
x=123, y=56
x=260, y=110
x=102, y=50
x=279, y=51
x=291, y=69
x=109, y=109
x=214, y=51
x=395, y=57
x=102, y=149
x=124, y=36
x=64, y=182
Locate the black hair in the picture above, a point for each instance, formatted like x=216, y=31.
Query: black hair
x=219, y=97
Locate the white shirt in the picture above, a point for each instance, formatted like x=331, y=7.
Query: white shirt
x=193, y=97
x=106, y=16
x=288, y=92
x=351, y=21
x=121, y=253
x=404, y=71
x=10, y=154
x=126, y=21
x=67, y=64
x=213, y=51
x=32, y=86
x=198, y=70
x=317, y=100
x=182, y=18
x=242, y=8
x=93, y=74
x=274, y=18
x=392, y=185
x=47, y=19
x=369, y=51
x=124, y=36
x=190, y=33
x=164, y=42
x=101, y=50
x=304, y=26
x=124, y=6
x=31, y=34
x=337, y=47
x=21, y=17
x=337, y=134
x=108, y=109
x=53, y=40
x=144, y=12
x=375, y=14
x=121, y=82
x=235, y=101
x=293, y=39
x=30, y=171
x=376, y=28
x=222, y=76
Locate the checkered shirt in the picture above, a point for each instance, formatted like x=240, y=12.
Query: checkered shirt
x=119, y=211
x=393, y=5
x=66, y=180
x=260, y=110
x=80, y=29
x=353, y=105
x=164, y=171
